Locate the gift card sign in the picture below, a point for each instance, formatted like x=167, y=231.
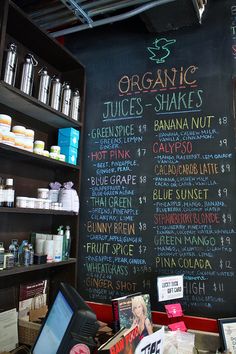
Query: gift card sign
x=170, y=287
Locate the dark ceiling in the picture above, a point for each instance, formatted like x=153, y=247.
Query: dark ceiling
x=61, y=17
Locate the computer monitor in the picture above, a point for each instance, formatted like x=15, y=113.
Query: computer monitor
x=69, y=321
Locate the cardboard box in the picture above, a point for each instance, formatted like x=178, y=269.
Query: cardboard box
x=71, y=154
x=68, y=137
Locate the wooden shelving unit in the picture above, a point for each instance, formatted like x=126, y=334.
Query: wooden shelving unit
x=31, y=171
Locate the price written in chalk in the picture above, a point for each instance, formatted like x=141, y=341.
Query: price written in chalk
x=222, y=192
x=223, y=142
x=225, y=264
x=141, y=152
x=223, y=120
x=142, y=199
x=143, y=179
x=218, y=287
x=142, y=226
x=146, y=284
x=142, y=249
x=142, y=269
x=142, y=128
x=225, y=241
x=225, y=168
x=226, y=218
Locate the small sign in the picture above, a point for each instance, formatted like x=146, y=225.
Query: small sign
x=170, y=287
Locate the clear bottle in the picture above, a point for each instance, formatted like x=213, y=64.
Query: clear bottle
x=60, y=232
x=9, y=193
x=2, y=251
x=14, y=249
x=31, y=249
x=2, y=192
x=67, y=243
x=21, y=252
x=26, y=255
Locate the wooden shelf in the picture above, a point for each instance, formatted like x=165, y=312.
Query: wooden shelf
x=20, y=154
x=33, y=268
x=28, y=170
x=18, y=100
x=37, y=211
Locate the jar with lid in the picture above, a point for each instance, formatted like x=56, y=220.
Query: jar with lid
x=21, y=202
x=9, y=193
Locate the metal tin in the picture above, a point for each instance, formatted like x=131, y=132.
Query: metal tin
x=10, y=64
x=55, y=93
x=66, y=98
x=44, y=85
x=75, y=104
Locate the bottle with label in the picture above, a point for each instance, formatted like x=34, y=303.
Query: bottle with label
x=67, y=243
x=14, y=248
x=9, y=193
x=2, y=192
x=60, y=232
x=2, y=251
x=26, y=255
x=21, y=252
x=31, y=249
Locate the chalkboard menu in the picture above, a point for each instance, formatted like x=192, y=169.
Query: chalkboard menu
x=158, y=194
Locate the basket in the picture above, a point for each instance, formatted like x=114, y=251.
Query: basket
x=28, y=332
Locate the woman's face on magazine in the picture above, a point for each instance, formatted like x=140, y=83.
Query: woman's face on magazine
x=138, y=310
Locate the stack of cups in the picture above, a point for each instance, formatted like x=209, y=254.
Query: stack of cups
x=29, y=140
x=5, y=123
x=19, y=132
x=23, y=137
x=7, y=137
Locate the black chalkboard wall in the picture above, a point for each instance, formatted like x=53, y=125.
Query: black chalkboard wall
x=158, y=189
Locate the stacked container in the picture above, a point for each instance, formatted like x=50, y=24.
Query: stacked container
x=68, y=140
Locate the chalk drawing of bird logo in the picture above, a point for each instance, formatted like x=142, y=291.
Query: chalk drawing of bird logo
x=161, y=51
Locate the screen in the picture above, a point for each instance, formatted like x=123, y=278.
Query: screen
x=55, y=326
